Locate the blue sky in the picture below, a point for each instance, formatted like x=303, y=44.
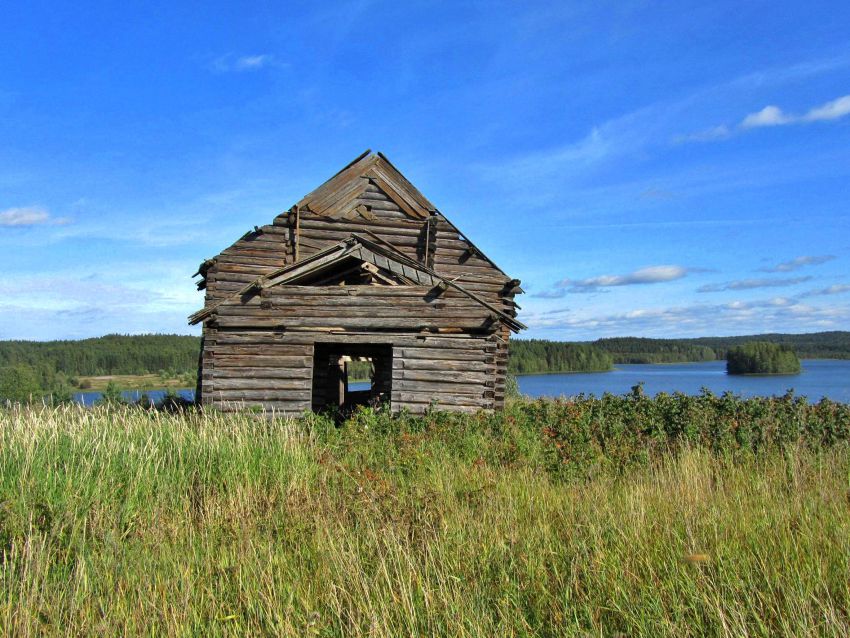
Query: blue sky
x=653, y=169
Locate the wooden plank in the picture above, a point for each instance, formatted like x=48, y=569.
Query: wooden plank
x=445, y=399
x=402, y=342
x=261, y=383
x=223, y=348
x=440, y=376
x=414, y=210
x=455, y=389
x=261, y=373
x=354, y=311
x=338, y=181
x=443, y=365
x=347, y=322
x=261, y=361
x=289, y=396
x=436, y=354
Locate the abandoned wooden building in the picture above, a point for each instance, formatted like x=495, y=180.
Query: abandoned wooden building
x=364, y=268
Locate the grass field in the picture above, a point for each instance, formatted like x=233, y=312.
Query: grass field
x=585, y=518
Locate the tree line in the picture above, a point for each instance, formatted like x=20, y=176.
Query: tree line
x=50, y=367
x=528, y=356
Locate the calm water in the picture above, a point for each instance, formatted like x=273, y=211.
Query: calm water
x=88, y=398
x=819, y=378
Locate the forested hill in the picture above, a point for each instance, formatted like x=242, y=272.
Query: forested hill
x=141, y=354
x=818, y=345
x=112, y=354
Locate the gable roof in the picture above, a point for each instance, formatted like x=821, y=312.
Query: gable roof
x=335, y=196
x=349, y=183
x=379, y=254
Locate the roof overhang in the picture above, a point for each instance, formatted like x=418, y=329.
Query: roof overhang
x=377, y=253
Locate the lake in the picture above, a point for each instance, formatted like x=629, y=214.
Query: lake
x=819, y=378
x=88, y=398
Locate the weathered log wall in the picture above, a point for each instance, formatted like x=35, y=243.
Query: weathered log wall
x=274, y=369
x=449, y=347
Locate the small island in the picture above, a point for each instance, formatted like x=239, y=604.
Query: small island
x=762, y=357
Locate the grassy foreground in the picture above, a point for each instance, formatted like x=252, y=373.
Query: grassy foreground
x=664, y=517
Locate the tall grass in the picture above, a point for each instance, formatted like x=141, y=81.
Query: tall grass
x=125, y=522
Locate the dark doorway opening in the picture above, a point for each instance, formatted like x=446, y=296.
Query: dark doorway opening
x=348, y=375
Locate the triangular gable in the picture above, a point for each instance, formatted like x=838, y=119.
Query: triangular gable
x=385, y=258
x=336, y=195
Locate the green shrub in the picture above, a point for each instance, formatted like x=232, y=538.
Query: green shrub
x=19, y=383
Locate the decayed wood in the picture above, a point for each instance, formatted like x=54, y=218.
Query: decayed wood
x=259, y=349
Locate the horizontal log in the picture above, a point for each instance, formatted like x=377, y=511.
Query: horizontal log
x=442, y=399
x=261, y=361
x=260, y=373
x=446, y=365
x=222, y=348
x=390, y=226
x=275, y=259
x=300, y=397
x=348, y=323
x=451, y=354
x=441, y=376
x=374, y=310
x=406, y=341
x=253, y=269
x=456, y=389
x=265, y=384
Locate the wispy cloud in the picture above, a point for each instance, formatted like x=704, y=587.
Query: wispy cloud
x=30, y=216
x=771, y=115
x=774, y=116
x=649, y=275
x=777, y=313
x=751, y=284
x=550, y=294
x=712, y=134
x=238, y=63
x=835, y=289
x=799, y=262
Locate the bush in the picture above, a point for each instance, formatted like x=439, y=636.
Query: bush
x=19, y=383
x=112, y=395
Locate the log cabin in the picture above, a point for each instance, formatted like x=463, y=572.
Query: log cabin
x=364, y=268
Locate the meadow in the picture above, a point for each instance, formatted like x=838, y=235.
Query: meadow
x=672, y=516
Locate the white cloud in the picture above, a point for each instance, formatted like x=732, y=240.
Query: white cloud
x=749, y=284
x=778, y=314
x=254, y=62
x=649, y=275
x=29, y=216
x=774, y=116
x=829, y=111
x=799, y=262
x=768, y=116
